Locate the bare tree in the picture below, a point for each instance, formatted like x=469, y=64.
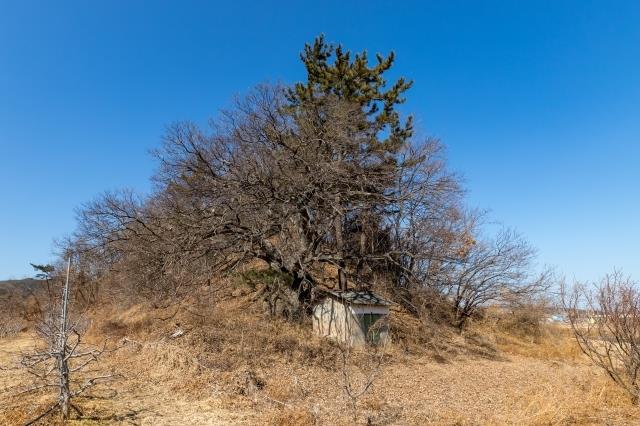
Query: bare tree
x=264, y=184
x=493, y=271
x=63, y=354
x=605, y=319
x=429, y=230
x=267, y=183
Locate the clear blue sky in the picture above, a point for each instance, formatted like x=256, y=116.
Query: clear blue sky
x=538, y=103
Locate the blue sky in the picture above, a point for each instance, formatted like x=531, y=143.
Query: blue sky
x=538, y=103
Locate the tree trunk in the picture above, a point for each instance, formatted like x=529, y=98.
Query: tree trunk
x=63, y=366
x=64, y=399
x=303, y=288
x=342, y=276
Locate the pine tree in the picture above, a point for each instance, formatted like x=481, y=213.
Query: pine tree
x=336, y=74
x=332, y=71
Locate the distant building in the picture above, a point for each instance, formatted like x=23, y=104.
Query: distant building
x=353, y=317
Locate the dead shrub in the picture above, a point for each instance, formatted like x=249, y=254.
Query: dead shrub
x=588, y=402
x=554, y=344
x=218, y=362
x=274, y=289
x=380, y=413
x=524, y=323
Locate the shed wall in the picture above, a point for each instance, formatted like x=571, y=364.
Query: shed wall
x=331, y=318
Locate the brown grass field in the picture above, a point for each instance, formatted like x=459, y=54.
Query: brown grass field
x=234, y=367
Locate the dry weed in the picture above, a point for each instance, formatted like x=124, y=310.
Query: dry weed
x=292, y=416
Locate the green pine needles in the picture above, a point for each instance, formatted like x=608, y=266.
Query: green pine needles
x=332, y=71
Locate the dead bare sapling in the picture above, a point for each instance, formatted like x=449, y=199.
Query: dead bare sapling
x=61, y=361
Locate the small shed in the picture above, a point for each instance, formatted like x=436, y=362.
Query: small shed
x=353, y=317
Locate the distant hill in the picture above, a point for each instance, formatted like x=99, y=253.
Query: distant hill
x=18, y=287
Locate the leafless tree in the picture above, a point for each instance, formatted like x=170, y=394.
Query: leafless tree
x=265, y=184
x=63, y=358
x=605, y=319
x=426, y=216
x=493, y=271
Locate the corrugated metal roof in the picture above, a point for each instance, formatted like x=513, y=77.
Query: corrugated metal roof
x=359, y=297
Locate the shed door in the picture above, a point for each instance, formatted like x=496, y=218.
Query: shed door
x=367, y=322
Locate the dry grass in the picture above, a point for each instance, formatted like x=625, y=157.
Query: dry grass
x=292, y=416
x=557, y=344
x=235, y=366
x=526, y=333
